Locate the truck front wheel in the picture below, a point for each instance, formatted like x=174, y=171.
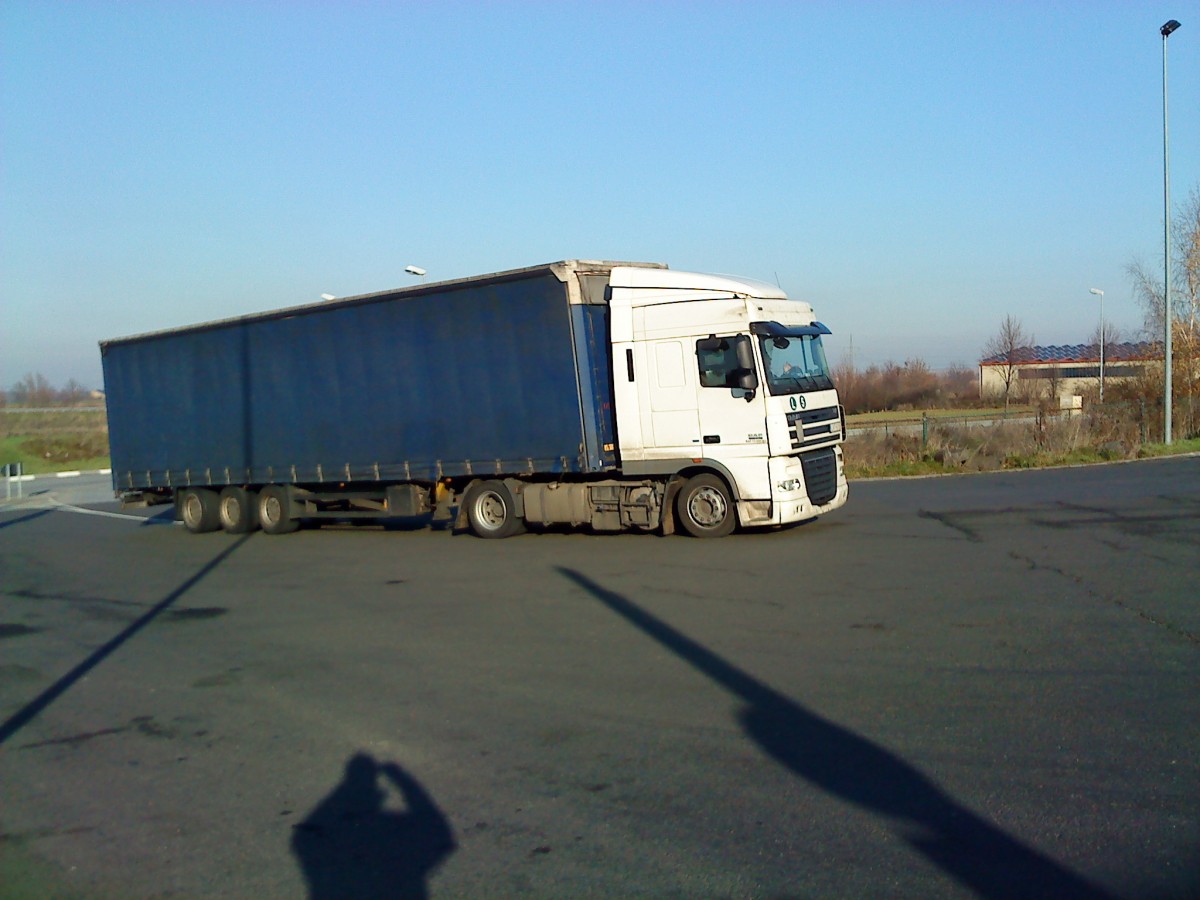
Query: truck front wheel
x=491, y=511
x=275, y=510
x=198, y=508
x=705, y=508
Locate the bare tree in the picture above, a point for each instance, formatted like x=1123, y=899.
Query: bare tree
x=73, y=392
x=32, y=390
x=1054, y=383
x=1011, y=346
x=960, y=384
x=1113, y=335
x=1185, y=307
x=913, y=384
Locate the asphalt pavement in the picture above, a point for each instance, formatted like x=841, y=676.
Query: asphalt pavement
x=970, y=686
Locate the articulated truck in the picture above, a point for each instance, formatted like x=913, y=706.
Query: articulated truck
x=608, y=395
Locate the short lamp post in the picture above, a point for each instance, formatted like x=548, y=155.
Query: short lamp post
x=1166, y=31
x=1099, y=293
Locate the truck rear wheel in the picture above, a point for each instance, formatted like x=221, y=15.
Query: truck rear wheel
x=238, y=510
x=275, y=510
x=491, y=511
x=705, y=508
x=198, y=508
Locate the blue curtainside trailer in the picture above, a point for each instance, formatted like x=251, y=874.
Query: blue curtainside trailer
x=493, y=375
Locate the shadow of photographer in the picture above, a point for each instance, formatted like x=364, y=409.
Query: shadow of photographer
x=352, y=845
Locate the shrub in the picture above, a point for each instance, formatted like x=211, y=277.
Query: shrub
x=912, y=385
x=1115, y=431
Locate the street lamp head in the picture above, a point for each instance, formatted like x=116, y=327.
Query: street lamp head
x=1096, y=291
x=415, y=270
x=1166, y=30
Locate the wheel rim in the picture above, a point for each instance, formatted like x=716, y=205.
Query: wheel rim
x=231, y=509
x=707, y=507
x=491, y=511
x=192, y=510
x=271, y=510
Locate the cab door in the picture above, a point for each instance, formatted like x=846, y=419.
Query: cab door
x=732, y=409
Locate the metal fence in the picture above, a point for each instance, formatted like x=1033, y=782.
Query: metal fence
x=921, y=424
x=1136, y=420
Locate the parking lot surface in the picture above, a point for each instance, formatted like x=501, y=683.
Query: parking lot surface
x=964, y=686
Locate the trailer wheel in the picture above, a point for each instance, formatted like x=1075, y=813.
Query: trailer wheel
x=491, y=511
x=198, y=508
x=705, y=508
x=238, y=509
x=275, y=510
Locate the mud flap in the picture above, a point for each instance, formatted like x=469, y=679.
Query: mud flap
x=668, y=511
x=462, y=522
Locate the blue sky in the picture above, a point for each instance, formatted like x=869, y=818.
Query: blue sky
x=917, y=171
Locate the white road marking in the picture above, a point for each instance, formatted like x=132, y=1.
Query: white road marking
x=71, y=474
x=67, y=507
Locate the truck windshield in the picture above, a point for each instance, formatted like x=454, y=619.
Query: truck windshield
x=795, y=364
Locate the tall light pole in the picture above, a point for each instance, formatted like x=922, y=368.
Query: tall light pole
x=1165, y=31
x=1100, y=294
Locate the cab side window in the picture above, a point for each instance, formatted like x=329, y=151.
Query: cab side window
x=718, y=360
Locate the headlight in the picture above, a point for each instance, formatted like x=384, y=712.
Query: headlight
x=791, y=484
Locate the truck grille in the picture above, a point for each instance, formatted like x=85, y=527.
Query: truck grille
x=820, y=475
x=814, y=427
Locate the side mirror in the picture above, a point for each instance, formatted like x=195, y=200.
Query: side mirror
x=747, y=379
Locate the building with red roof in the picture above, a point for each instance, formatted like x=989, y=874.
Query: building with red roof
x=1065, y=370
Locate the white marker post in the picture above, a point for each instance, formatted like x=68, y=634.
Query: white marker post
x=13, y=471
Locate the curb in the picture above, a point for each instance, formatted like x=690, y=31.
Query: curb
x=71, y=474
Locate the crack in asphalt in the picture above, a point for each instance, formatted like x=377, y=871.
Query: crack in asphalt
x=950, y=522
x=1099, y=595
x=1134, y=525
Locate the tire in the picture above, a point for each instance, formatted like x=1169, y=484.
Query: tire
x=275, y=510
x=198, y=509
x=491, y=511
x=704, y=507
x=238, y=510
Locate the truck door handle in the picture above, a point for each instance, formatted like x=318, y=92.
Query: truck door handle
x=712, y=439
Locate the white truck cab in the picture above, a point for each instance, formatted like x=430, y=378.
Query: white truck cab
x=726, y=375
